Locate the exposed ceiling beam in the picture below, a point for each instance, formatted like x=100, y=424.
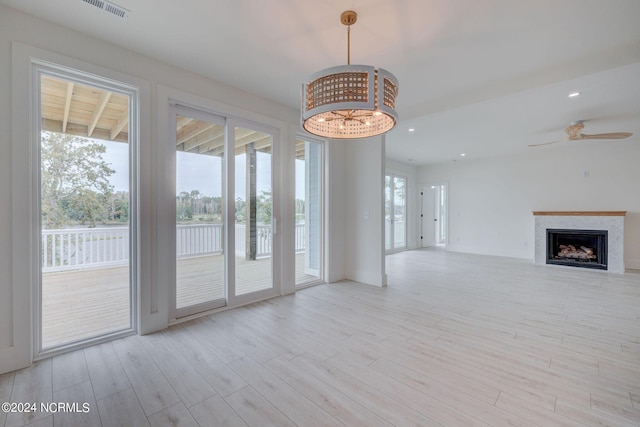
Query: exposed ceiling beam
x=251, y=136
x=212, y=134
x=81, y=130
x=67, y=105
x=117, y=128
x=102, y=102
x=191, y=130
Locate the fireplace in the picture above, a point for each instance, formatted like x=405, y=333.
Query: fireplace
x=611, y=256
x=577, y=248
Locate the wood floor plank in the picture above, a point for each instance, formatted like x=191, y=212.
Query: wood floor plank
x=105, y=370
x=452, y=391
x=255, y=410
x=615, y=403
x=289, y=337
x=44, y=422
x=122, y=409
x=387, y=408
x=6, y=386
x=69, y=369
x=216, y=412
x=217, y=342
x=152, y=388
x=287, y=399
x=174, y=416
x=635, y=400
x=213, y=370
x=185, y=380
x=525, y=409
x=589, y=416
x=423, y=403
x=33, y=385
x=78, y=414
x=343, y=408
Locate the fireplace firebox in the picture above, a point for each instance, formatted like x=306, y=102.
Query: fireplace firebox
x=577, y=248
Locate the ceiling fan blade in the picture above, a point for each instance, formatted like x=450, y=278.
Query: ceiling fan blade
x=547, y=143
x=613, y=135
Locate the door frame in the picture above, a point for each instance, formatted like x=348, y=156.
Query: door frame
x=444, y=216
x=38, y=68
x=229, y=191
x=391, y=222
x=323, y=214
x=199, y=114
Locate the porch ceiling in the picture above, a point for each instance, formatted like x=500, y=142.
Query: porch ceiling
x=90, y=112
x=82, y=110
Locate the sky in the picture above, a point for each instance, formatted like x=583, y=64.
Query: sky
x=199, y=172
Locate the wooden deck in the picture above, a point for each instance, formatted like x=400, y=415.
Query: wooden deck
x=86, y=303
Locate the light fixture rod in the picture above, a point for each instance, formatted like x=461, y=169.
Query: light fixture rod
x=348, y=44
x=348, y=18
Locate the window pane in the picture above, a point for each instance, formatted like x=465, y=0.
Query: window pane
x=387, y=213
x=399, y=218
x=308, y=211
x=199, y=212
x=84, y=212
x=253, y=208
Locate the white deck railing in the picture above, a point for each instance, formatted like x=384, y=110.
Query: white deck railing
x=199, y=239
x=70, y=249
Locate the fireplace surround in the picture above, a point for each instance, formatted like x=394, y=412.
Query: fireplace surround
x=611, y=222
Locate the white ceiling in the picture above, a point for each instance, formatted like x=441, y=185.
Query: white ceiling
x=483, y=77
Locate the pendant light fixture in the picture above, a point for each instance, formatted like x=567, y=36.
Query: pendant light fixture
x=349, y=101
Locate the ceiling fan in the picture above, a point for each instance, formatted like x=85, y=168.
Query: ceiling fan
x=574, y=134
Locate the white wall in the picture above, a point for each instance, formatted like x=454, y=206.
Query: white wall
x=6, y=295
x=335, y=212
x=412, y=199
x=364, y=183
x=491, y=200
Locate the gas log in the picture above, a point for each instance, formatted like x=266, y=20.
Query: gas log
x=570, y=251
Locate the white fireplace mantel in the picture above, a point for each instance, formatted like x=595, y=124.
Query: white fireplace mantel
x=611, y=221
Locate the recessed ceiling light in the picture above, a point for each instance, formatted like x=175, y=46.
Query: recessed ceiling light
x=412, y=130
x=574, y=94
x=462, y=154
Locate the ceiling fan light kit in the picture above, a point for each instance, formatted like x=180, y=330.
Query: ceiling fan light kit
x=349, y=101
x=574, y=133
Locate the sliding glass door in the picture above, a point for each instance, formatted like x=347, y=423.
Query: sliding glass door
x=224, y=239
x=200, y=221
x=87, y=209
x=253, y=211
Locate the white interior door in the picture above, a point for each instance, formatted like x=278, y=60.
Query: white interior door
x=429, y=217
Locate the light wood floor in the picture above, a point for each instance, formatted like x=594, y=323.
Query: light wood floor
x=454, y=340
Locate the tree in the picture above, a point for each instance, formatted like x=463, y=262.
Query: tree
x=119, y=207
x=263, y=210
x=240, y=210
x=74, y=180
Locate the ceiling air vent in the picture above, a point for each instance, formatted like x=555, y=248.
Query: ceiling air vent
x=107, y=6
